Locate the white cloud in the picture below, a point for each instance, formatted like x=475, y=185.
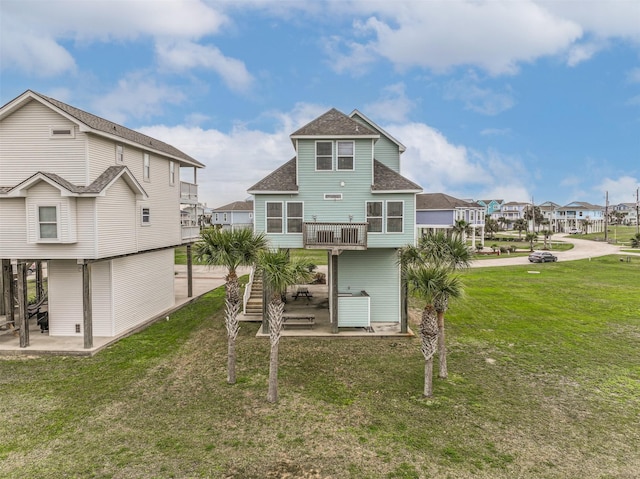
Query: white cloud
x=476, y=98
x=188, y=55
x=392, y=106
x=621, y=190
x=496, y=36
x=582, y=52
x=633, y=76
x=138, y=96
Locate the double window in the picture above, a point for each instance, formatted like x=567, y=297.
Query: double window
x=276, y=217
x=393, y=216
x=345, y=158
x=48, y=222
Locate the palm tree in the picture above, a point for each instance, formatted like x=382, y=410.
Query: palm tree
x=449, y=254
x=635, y=241
x=432, y=283
x=231, y=249
x=546, y=234
x=520, y=225
x=279, y=272
x=461, y=229
x=531, y=238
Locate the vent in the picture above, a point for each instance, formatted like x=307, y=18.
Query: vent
x=77, y=327
x=62, y=132
x=333, y=196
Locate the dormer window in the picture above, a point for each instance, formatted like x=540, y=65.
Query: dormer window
x=345, y=155
x=324, y=155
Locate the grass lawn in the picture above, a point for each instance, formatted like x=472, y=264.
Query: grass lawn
x=616, y=235
x=544, y=383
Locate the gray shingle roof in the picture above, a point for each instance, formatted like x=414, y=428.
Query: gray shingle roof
x=385, y=179
x=282, y=179
x=100, y=124
x=334, y=123
x=441, y=201
x=237, y=206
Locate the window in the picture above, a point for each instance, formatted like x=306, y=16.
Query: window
x=345, y=155
x=146, y=166
x=146, y=216
x=274, y=217
x=48, y=222
x=324, y=155
x=120, y=153
x=172, y=173
x=374, y=216
x=394, y=216
x=217, y=218
x=294, y=217
x=224, y=217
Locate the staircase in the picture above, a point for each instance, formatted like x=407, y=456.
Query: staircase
x=254, y=303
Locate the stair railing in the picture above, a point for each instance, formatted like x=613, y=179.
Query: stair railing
x=247, y=290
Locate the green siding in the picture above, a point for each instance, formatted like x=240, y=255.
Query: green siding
x=376, y=272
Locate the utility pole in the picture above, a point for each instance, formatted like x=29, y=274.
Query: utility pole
x=606, y=218
x=637, y=211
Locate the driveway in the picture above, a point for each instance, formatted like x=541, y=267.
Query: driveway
x=582, y=249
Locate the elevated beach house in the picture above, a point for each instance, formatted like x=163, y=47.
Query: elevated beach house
x=99, y=204
x=342, y=192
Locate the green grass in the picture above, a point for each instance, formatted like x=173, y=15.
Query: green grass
x=616, y=234
x=544, y=381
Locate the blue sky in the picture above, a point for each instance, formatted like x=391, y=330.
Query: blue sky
x=493, y=99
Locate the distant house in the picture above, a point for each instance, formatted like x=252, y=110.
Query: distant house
x=513, y=211
x=491, y=207
x=101, y=205
x=238, y=214
x=438, y=212
x=627, y=212
x=548, y=212
x=582, y=216
x=343, y=193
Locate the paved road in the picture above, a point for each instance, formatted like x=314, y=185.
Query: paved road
x=582, y=249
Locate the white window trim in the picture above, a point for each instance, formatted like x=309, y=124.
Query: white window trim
x=352, y=156
x=38, y=223
x=56, y=132
x=266, y=213
x=146, y=166
x=142, y=215
x=217, y=217
x=366, y=216
x=172, y=173
x=225, y=217
x=286, y=216
x=119, y=153
x=387, y=217
x=315, y=154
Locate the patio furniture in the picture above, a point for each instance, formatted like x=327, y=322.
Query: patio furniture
x=304, y=320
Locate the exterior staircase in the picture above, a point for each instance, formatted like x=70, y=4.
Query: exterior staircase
x=253, y=306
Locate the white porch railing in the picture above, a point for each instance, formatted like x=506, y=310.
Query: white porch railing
x=188, y=193
x=190, y=233
x=247, y=290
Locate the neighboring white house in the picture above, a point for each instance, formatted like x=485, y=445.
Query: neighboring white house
x=582, y=216
x=100, y=204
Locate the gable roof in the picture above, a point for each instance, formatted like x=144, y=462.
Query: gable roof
x=375, y=127
x=441, y=201
x=99, y=126
x=97, y=188
x=334, y=124
x=237, y=206
x=387, y=180
x=282, y=180
x=581, y=205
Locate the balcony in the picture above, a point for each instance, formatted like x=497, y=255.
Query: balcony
x=190, y=233
x=346, y=236
x=188, y=193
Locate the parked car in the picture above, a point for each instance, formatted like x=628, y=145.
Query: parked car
x=542, y=257
x=574, y=231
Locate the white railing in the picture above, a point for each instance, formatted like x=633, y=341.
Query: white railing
x=190, y=233
x=247, y=290
x=188, y=193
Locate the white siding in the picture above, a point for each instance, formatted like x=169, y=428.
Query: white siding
x=116, y=221
x=44, y=194
x=102, y=299
x=65, y=297
x=26, y=146
x=142, y=287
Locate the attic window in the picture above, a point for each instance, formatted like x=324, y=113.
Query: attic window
x=62, y=132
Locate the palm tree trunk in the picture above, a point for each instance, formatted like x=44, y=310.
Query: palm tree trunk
x=442, y=348
x=231, y=362
x=428, y=375
x=233, y=287
x=272, y=395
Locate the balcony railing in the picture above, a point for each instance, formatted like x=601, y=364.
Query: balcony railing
x=335, y=235
x=190, y=233
x=188, y=193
